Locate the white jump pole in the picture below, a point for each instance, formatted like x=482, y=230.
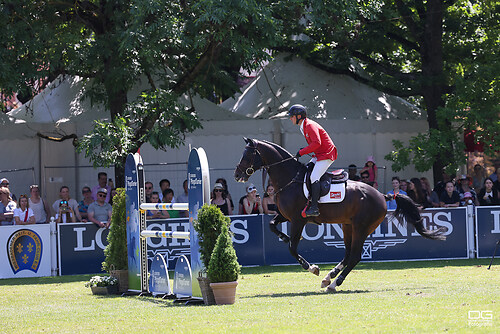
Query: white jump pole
x=165, y=234
x=165, y=206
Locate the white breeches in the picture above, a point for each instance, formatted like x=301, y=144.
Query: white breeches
x=320, y=167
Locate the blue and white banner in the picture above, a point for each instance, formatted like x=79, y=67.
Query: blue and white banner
x=487, y=230
x=25, y=251
x=81, y=248
x=390, y=241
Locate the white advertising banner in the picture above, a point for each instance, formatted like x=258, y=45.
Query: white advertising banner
x=25, y=251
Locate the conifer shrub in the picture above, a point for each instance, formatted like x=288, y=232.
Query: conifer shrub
x=208, y=225
x=224, y=266
x=116, y=250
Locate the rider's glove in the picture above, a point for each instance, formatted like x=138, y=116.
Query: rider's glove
x=297, y=156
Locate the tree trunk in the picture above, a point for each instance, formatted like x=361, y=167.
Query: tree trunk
x=434, y=84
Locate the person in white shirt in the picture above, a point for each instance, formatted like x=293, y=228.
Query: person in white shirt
x=23, y=215
x=73, y=204
x=40, y=207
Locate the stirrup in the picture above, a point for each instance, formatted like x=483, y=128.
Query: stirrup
x=312, y=212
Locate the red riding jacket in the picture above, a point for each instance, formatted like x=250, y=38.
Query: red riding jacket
x=319, y=141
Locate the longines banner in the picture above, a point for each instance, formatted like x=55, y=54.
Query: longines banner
x=488, y=230
x=25, y=251
x=81, y=248
x=82, y=244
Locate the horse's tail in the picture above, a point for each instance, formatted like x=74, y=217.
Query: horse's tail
x=408, y=210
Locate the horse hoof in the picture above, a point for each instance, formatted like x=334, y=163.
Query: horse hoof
x=330, y=290
x=314, y=269
x=325, y=283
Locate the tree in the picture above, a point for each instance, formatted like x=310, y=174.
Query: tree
x=440, y=54
x=169, y=47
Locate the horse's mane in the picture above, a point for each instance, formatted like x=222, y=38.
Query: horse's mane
x=284, y=153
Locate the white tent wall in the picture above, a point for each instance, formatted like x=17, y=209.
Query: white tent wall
x=20, y=164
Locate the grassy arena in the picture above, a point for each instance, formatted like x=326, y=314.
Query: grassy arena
x=417, y=297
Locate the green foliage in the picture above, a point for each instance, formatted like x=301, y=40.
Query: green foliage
x=209, y=225
x=164, y=49
x=224, y=266
x=440, y=55
x=116, y=250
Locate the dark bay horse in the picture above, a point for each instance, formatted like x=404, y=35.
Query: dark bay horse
x=360, y=213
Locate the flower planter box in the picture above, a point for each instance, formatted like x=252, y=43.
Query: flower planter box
x=104, y=290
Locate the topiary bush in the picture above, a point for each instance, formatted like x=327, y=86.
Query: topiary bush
x=116, y=250
x=224, y=266
x=208, y=225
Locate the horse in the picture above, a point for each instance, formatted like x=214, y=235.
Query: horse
x=360, y=213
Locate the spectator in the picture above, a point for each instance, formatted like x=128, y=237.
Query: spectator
x=468, y=199
x=83, y=206
x=450, y=198
x=440, y=187
x=432, y=196
x=496, y=182
x=416, y=193
x=488, y=195
x=478, y=176
x=372, y=169
x=494, y=175
x=65, y=214
x=165, y=184
x=64, y=195
x=102, y=179
x=148, y=187
x=365, y=177
x=23, y=215
x=40, y=208
x=7, y=206
x=168, y=196
x=113, y=194
x=391, y=205
x=111, y=184
x=219, y=198
x=156, y=214
x=5, y=183
x=464, y=189
x=268, y=204
x=251, y=202
x=353, y=173
x=99, y=212
x=183, y=198
x=223, y=181
x=403, y=185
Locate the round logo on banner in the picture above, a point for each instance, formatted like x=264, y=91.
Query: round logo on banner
x=25, y=250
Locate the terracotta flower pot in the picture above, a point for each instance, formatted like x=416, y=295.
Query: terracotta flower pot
x=225, y=292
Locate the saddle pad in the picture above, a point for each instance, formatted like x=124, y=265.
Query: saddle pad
x=335, y=195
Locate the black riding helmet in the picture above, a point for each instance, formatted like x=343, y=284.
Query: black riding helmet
x=299, y=110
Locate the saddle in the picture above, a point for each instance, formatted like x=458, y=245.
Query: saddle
x=329, y=178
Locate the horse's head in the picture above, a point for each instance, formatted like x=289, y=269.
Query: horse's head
x=250, y=162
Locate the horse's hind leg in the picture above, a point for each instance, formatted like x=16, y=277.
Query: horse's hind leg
x=354, y=258
x=294, y=242
x=347, y=229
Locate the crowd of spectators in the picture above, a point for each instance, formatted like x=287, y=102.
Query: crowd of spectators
x=96, y=203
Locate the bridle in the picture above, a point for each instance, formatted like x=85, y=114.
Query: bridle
x=252, y=169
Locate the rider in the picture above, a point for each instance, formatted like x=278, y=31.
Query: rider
x=322, y=147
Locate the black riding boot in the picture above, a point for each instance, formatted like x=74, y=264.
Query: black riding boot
x=313, y=210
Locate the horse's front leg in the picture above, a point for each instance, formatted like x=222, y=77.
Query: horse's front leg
x=273, y=225
x=294, y=242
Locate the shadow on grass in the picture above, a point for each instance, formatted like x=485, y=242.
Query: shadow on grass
x=372, y=266
x=46, y=280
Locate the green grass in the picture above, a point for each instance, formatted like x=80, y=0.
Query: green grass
x=416, y=297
